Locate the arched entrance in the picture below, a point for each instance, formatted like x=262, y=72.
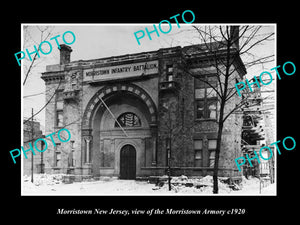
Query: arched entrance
x=127, y=162
x=103, y=138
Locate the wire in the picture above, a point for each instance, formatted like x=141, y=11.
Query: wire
x=46, y=103
x=26, y=96
x=112, y=115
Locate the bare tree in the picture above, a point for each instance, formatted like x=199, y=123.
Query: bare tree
x=33, y=35
x=30, y=41
x=223, y=46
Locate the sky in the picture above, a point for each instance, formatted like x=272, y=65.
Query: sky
x=105, y=40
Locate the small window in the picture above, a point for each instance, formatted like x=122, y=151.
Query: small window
x=170, y=73
x=199, y=93
x=169, y=69
x=59, y=118
x=211, y=93
x=57, y=159
x=170, y=77
x=212, y=109
x=59, y=96
x=248, y=121
x=200, y=109
x=211, y=158
x=59, y=105
x=57, y=155
x=198, y=154
x=206, y=97
x=198, y=146
x=128, y=120
x=212, y=145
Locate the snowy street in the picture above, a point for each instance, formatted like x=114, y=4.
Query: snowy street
x=45, y=184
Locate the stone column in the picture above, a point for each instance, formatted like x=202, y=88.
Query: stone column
x=87, y=140
x=86, y=144
x=153, y=130
x=101, y=153
x=87, y=166
x=86, y=151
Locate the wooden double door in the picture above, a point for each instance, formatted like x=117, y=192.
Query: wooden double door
x=128, y=162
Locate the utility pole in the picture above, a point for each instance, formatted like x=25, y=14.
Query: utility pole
x=32, y=145
x=169, y=144
x=42, y=159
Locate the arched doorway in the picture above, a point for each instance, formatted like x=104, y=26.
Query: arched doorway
x=127, y=162
x=136, y=113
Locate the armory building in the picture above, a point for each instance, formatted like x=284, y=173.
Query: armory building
x=133, y=115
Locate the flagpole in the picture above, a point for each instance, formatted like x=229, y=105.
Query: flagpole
x=112, y=115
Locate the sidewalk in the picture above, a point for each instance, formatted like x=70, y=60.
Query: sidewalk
x=52, y=185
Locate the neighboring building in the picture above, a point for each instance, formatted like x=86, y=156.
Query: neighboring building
x=270, y=120
x=29, y=128
x=158, y=105
x=257, y=132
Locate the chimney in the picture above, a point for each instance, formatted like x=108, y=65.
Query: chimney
x=65, y=54
x=234, y=35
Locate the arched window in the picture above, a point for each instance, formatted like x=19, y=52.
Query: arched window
x=248, y=121
x=128, y=119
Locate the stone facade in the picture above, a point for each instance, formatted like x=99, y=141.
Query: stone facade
x=151, y=95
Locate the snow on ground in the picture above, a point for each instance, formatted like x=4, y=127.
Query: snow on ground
x=46, y=184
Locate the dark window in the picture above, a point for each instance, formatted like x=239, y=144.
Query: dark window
x=248, y=121
x=205, y=152
x=59, y=118
x=59, y=104
x=206, y=97
x=169, y=73
x=57, y=155
x=212, y=145
x=198, y=147
x=128, y=119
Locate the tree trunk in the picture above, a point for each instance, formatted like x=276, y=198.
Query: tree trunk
x=221, y=121
x=217, y=154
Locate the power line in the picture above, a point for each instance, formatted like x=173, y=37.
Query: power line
x=26, y=96
x=46, y=103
